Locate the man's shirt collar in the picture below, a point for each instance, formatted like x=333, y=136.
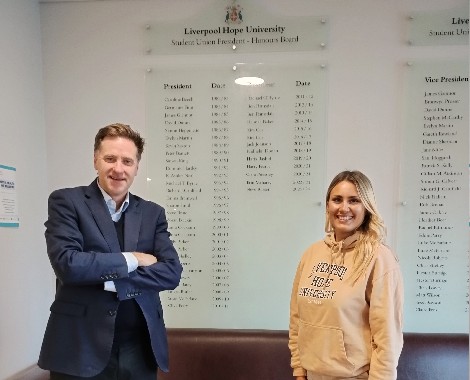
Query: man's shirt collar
x=115, y=214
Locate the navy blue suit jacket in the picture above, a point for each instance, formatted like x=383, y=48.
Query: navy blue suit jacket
x=84, y=252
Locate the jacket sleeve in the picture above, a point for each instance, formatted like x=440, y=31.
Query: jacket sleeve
x=386, y=323
x=294, y=326
x=65, y=247
x=165, y=274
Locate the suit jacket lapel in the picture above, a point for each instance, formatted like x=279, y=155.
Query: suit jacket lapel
x=95, y=202
x=133, y=220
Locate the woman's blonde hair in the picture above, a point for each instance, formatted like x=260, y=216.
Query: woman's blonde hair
x=372, y=230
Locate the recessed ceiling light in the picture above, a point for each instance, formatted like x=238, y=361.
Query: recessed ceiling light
x=249, y=81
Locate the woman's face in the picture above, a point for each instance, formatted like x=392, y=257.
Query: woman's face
x=345, y=210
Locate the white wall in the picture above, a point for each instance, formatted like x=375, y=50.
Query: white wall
x=94, y=74
x=25, y=276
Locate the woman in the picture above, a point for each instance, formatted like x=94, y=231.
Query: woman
x=347, y=297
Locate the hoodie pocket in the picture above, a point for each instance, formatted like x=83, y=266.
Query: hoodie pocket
x=322, y=350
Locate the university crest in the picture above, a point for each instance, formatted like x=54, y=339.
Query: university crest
x=233, y=14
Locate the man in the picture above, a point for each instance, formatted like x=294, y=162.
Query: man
x=112, y=255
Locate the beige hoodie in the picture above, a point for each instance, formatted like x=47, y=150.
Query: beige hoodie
x=340, y=329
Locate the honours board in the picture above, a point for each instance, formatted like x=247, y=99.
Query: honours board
x=433, y=217
x=240, y=171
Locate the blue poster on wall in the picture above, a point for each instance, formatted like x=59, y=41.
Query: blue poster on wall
x=8, y=197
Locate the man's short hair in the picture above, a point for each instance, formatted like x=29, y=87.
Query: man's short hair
x=120, y=130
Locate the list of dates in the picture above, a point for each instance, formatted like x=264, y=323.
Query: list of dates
x=231, y=154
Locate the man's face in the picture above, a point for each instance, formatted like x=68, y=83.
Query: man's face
x=116, y=163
